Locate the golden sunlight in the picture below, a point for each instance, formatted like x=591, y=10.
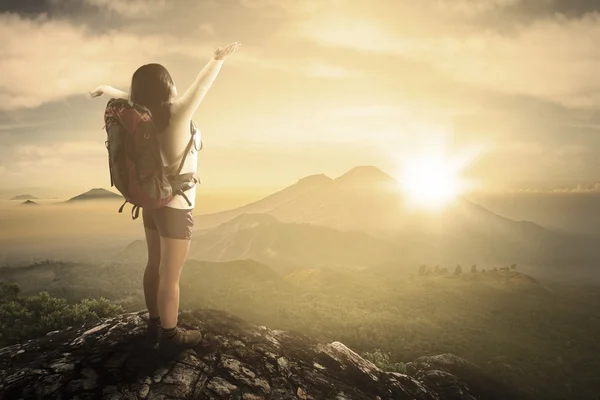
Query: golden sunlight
x=432, y=179
x=431, y=182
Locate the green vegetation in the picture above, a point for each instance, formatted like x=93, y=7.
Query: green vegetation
x=382, y=360
x=536, y=339
x=24, y=318
x=542, y=341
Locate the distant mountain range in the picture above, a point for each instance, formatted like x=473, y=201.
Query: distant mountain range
x=285, y=246
x=364, y=199
x=97, y=194
x=93, y=194
x=29, y=203
x=572, y=212
x=360, y=220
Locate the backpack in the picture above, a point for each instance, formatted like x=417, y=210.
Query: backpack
x=134, y=158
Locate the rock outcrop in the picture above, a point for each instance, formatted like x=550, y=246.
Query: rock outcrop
x=236, y=360
x=453, y=377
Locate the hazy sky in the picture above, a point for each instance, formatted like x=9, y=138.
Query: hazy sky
x=319, y=86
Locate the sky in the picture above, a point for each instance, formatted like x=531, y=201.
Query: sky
x=318, y=86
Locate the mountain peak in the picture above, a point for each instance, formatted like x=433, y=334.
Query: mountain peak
x=100, y=192
x=315, y=179
x=96, y=194
x=364, y=173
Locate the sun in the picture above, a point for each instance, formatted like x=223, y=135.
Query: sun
x=432, y=164
x=431, y=181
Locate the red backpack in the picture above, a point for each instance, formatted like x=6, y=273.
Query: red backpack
x=134, y=158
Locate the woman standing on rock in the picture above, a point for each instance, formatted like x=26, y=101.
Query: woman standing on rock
x=168, y=229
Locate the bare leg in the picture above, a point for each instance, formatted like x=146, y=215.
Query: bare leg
x=173, y=254
x=151, y=274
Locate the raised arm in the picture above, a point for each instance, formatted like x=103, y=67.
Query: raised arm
x=110, y=91
x=188, y=103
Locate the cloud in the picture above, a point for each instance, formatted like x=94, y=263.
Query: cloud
x=581, y=188
x=470, y=8
x=75, y=149
x=577, y=189
x=554, y=58
x=522, y=148
x=31, y=124
x=132, y=8
x=322, y=70
x=70, y=60
x=207, y=28
x=379, y=110
x=286, y=8
x=350, y=32
x=566, y=152
x=308, y=8
x=311, y=69
x=48, y=60
x=55, y=164
x=40, y=163
x=26, y=155
x=587, y=126
x=378, y=76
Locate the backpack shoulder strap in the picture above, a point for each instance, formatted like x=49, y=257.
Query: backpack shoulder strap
x=188, y=147
x=194, y=129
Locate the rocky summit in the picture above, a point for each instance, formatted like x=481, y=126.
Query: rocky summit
x=236, y=360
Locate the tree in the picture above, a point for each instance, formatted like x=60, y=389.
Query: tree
x=513, y=267
x=473, y=268
x=8, y=291
x=458, y=270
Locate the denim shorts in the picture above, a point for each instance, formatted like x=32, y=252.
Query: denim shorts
x=170, y=222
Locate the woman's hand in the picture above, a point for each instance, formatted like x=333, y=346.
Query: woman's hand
x=109, y=91
x=99, y=91
x=222, y=52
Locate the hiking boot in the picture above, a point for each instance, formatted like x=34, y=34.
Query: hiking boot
x=181, y=339
x=153, y=333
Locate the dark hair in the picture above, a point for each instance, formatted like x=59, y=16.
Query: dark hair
x=151, y=87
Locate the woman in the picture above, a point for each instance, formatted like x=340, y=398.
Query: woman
x=168, y=230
